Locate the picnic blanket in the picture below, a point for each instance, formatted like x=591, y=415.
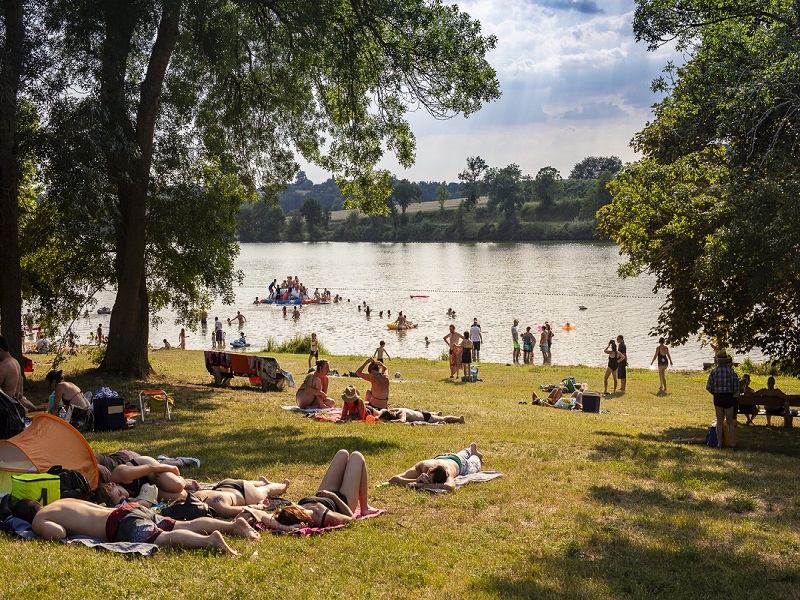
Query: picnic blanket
x=304, y=531
x=295, y=408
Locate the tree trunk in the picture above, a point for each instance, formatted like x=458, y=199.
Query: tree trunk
x=130, y=319
x=11, y=283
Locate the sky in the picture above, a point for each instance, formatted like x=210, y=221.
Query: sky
x=574, y=83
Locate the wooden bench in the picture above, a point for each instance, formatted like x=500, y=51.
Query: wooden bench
x=786, y=403
x=262, y=371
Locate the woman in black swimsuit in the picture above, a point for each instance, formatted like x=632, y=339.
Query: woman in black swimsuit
x=664, y=359
x=343, y=488
x=614, y=358
x=466, y=355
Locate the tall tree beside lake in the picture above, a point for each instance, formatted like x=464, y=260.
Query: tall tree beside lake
x=472, y=180
x=218, y=95
x=711, y=210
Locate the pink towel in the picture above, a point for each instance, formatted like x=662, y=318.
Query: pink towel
x=312, y=530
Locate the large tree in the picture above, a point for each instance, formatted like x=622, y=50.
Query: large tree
x=548, y=185
x=472, y=181
x=506, y=191
x=405, y=193
x=216, y=96
x=592, y=167
x=711, y=210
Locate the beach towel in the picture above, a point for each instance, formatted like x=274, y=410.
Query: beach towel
x=295, y=408
x=332, y=415
x=304, y=531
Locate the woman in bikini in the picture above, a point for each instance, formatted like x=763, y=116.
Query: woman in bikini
x=229, y=496
x=66, y=392
x=664, y=359
x=343, y=488
x=377, y=396
x=314, y=391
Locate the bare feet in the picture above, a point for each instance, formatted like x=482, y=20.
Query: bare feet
x=191, y=485
x=242, y=529
x=217, y=541
x=461, y=419
x=370, y=511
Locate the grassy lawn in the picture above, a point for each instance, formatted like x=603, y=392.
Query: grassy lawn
x=591, y=505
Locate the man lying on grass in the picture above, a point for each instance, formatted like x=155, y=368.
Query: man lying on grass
x=128, y=523
x=440, y=472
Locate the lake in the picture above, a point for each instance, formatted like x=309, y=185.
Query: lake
x=497, y=283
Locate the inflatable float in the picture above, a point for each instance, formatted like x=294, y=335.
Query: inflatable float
x=238, y=344
x=104, y=311
x=396, y=327
x=568, y=327
x=418, y=296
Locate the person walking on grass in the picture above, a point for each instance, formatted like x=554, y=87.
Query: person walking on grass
x=723, y=384
x=664, y=359
x=313, y=353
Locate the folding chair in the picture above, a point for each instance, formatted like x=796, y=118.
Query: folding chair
x=156, y=400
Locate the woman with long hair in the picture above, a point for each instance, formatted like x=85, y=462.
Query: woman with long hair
x=615, y=357
x=664, y=359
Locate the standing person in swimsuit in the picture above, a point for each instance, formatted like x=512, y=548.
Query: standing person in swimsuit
x=476, y=336
x=377, y=396
x=229, y=495
x=452, y=339
x=614, y=358
x=381, y=353
x=128, y=523
x=313, y=354
x=622, y=367
x=515, y=341
x=543, y=344
x=182, y=339
x=314, y=391
x=343, y=489
x=441, y=471
x=664, y=359
x=466, y=354
x=527, y=346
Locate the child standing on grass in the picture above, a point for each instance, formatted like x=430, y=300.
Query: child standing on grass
x=380, y=352
x=313, y=354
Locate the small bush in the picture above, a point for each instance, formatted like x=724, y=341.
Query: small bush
x=765, y=368
x=97, y=352
x=296, y=345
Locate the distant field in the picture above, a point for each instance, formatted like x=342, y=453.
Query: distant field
x=341, y=215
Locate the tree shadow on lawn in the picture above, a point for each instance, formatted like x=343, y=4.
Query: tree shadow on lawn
x=671, y=532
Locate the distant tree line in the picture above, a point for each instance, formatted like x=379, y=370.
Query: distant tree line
x=520, y=207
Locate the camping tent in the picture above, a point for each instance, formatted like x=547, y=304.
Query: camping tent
x=46, y=442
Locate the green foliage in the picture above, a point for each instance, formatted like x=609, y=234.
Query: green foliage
x=506, y=192
x=405, y=193
x=717, y=226
x=472, y=182
x=442, y=195
x=294, y=229
x=548, y=185
x=261, y=222
x=591, y=167
x=96, y=352
x=311, y=211
x=296, y=345
x=765, y=368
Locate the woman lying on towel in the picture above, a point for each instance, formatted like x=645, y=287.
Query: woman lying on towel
x=408, y=415
x=229, y=495
x=343, y=488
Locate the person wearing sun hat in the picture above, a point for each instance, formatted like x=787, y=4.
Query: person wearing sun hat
x=354, y=408
x=723, y=383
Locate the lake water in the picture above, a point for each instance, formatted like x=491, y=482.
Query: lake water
x=497, y=283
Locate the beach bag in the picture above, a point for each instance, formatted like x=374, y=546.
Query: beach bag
x=12, y=416
x=711, y=436
x=42, y=487
x=569, y=383
x=72, y=483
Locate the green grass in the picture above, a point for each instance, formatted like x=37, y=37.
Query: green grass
x=591, y=505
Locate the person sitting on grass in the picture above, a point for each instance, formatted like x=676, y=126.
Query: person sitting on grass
x=353, y=408
x=128, y=523
x=378, y=395
x=229, y=495
x=313, y=393
x=408, y=415
x=343, y=488
x=441, y=471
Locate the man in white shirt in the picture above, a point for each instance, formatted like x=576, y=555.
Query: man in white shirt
x=515, y=340
x=476, y=337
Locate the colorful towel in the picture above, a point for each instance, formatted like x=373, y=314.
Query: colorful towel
x=296, y=408
x=463, y=480
x=312, y=530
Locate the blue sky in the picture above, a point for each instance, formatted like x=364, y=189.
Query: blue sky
x=574, y=83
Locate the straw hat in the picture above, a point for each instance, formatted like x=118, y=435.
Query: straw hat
x=722, y=357
x=350, y=394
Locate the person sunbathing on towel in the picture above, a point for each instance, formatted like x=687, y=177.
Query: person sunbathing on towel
x=343, y=487
x=440, y=472
x=128, y=523
x=556, y=399
x=229, y=495
x=131, y=470
x=313, y=393
x=408, y=415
